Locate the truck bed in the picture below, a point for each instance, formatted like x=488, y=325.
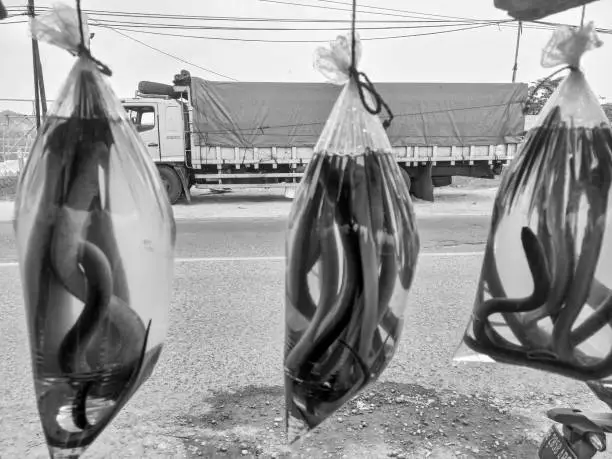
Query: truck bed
x=411, y=156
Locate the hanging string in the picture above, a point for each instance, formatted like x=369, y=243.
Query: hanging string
x=362, y=80
x=582, y=17
x=83, y=50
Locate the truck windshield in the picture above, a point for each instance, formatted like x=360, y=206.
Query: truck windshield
x=143, y=117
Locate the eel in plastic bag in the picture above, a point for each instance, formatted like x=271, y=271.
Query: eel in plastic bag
x=95, y=236
x=352, y=247
x=544, y=298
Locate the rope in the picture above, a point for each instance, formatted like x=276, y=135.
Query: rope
x=362, y=80
x=83, y=50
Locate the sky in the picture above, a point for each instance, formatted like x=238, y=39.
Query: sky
x=480, y=55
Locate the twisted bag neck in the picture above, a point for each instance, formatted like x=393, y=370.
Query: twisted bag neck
x=66, y=28
x=566, y=47
x=338, y=64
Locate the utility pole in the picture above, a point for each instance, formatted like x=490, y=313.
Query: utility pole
x=39, y=82
x=516, y=51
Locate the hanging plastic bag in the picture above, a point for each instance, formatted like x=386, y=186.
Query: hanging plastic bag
x=544, y=298
x=352, y=247
x=532, y=10
x=95, y=236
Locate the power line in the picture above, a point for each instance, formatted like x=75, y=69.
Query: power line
x=244, y=19
x=500, y=22
x=393, y=37
x=238, y=19
x=149, y=25
x=333, y=8
x=425, y=23
x=172, y=55
x=406, y=13
x=394, y=13
x=395, y=10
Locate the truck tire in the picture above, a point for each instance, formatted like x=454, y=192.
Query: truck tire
x=171, y=182
x=406, y=177
x=442, y=181
x=422, y=188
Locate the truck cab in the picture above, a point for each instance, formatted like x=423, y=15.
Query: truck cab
x=161, y=126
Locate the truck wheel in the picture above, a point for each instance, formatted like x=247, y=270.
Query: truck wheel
x=442, y=181
x=423, y=185
x=171, y=182
x=406, y=177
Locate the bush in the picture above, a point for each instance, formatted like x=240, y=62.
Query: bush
x=8, y=187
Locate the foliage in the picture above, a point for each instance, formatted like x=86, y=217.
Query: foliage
x=607, y=108
x=545, y=89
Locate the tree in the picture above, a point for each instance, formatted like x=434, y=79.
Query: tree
x=545, y=89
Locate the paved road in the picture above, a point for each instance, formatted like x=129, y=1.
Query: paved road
x=265, y=237
x=227, y=329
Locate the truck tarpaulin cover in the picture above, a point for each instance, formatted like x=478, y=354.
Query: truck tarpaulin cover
x=293, y=114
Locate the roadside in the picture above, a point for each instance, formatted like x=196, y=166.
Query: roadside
x=388, y=420
x=465, y=197
x=8, y=185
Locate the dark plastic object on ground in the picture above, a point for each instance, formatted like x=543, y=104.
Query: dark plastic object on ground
x=3, y=13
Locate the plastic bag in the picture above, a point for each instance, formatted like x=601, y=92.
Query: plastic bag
x=352, y=247
x=532, y=10
x=95, y=236
x=544, y=298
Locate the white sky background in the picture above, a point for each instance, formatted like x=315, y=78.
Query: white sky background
x=481, y=55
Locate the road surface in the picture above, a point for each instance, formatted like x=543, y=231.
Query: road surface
x=226, y=333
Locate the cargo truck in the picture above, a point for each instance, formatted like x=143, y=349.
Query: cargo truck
x=233, y=135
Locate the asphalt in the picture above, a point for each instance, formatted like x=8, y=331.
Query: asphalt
x=265, y=237
x=226, y=331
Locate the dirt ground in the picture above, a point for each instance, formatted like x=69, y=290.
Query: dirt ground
x=387, y=420
x=475, y=183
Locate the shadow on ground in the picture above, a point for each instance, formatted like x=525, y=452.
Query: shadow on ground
x=388, y=420
x=234, y=198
